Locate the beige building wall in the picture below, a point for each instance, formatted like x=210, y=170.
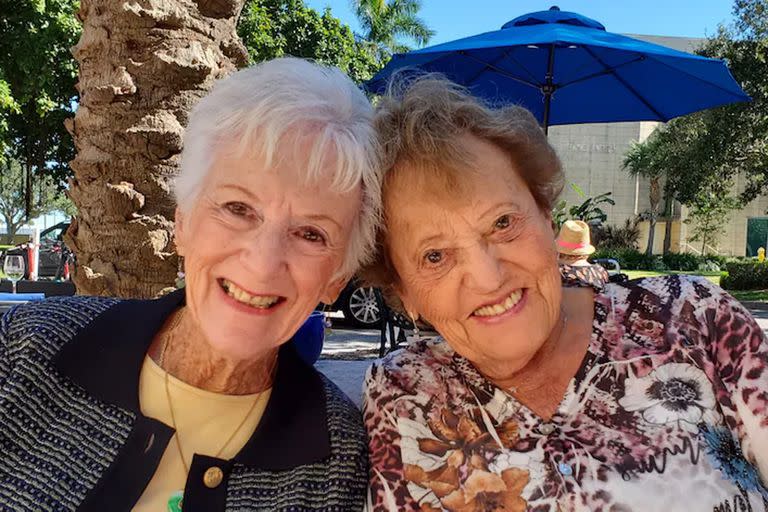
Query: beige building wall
x=592, y=156
x=658, y=237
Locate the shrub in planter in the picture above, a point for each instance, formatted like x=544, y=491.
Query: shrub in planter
x=685, y=261
x=745, y=275
x=709, y=266
x=716, y=258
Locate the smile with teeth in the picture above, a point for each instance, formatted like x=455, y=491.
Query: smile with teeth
x=255, y=301
x=501, y=307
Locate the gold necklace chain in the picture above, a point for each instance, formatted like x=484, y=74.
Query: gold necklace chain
x=161, y=362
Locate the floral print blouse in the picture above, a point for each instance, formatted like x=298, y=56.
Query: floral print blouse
x=668, y=412
x=575, y=276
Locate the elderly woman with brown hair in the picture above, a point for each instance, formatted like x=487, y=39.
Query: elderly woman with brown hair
x=646, y=396
x=198, y=400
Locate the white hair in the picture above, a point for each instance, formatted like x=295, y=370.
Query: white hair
x=266, y=109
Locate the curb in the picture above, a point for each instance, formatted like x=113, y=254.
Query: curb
x=762, y=306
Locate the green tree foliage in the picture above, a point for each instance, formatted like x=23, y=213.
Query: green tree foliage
x=641, y=160
x=723, y=142
x=273, y=28
x=708, y=213
x=46, y=197
x=590, y=210
x=37, y=84
x=386, y=22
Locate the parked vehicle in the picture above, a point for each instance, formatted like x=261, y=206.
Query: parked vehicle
x=56, y=259
x=359, y=305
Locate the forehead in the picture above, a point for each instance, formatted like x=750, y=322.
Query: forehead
x=419, y=199
x=285, y=177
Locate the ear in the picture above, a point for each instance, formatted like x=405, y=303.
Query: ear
x=179, y=232
x=333, y=289
x=408, y=304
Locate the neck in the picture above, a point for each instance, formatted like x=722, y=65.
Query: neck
x=190, y=358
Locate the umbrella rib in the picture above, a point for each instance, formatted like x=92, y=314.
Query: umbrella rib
x=506, y=53
x=603, y=72
x=500, y=71
x=475, y=77
x=626, y=84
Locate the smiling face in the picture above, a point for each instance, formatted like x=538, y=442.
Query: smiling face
x=479, y=264
x=261, y=249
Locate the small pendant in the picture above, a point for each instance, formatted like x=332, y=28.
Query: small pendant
x=174, y=502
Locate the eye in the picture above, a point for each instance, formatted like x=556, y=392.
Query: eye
x=433, y=257
x=502, y=222
x=312, y=235
x=237, y=208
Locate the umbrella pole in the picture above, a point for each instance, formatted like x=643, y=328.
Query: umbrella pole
x=548, y=88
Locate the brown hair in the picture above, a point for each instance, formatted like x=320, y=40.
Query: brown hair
x=419, y=122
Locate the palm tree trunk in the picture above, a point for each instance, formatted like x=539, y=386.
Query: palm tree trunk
x=655, y=199
x=668, y=224
x=651, y=236
x=142, y=67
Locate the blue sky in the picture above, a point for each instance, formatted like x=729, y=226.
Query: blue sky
x=452, y=19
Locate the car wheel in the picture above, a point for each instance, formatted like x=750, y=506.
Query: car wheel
x=361, y=308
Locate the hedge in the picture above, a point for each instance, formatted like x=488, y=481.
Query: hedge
x=631, y=259
x=745, y=275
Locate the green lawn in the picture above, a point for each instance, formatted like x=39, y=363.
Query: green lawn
x=634, y=274
x=750, y=295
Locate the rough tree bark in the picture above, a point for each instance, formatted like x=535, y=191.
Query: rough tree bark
x=143, y=65
x=655, y=198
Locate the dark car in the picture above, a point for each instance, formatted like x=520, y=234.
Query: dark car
x=361, y=308
x=359, y=305
x=55, y=257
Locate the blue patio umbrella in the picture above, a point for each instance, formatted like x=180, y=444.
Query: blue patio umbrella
x=566, y=69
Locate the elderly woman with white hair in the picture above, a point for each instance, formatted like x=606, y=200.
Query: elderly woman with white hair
x=197, y=400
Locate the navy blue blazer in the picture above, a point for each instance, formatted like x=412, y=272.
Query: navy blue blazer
x=72, y=436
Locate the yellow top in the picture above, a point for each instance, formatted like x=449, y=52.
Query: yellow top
x=205, y=420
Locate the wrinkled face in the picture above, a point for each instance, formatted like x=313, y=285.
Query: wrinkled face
x=480, y=264
x=261, y=250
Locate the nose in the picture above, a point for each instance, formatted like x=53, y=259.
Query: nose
x=484, y=269
x=264, y=253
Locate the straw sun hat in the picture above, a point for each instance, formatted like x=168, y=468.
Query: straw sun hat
x=573, y=239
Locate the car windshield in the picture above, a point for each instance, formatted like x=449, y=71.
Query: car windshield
x=54, y=235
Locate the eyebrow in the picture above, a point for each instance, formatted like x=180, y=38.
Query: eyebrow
x=320, y=217
x=314, y=217
x=240, y=188
x=498, y=206
x=425, y=241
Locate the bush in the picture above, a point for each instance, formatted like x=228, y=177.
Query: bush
x=709, y=266
x=618, y=237
x=631, y=259
x=720, y=260
x=745, y=275
x=684, y=261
